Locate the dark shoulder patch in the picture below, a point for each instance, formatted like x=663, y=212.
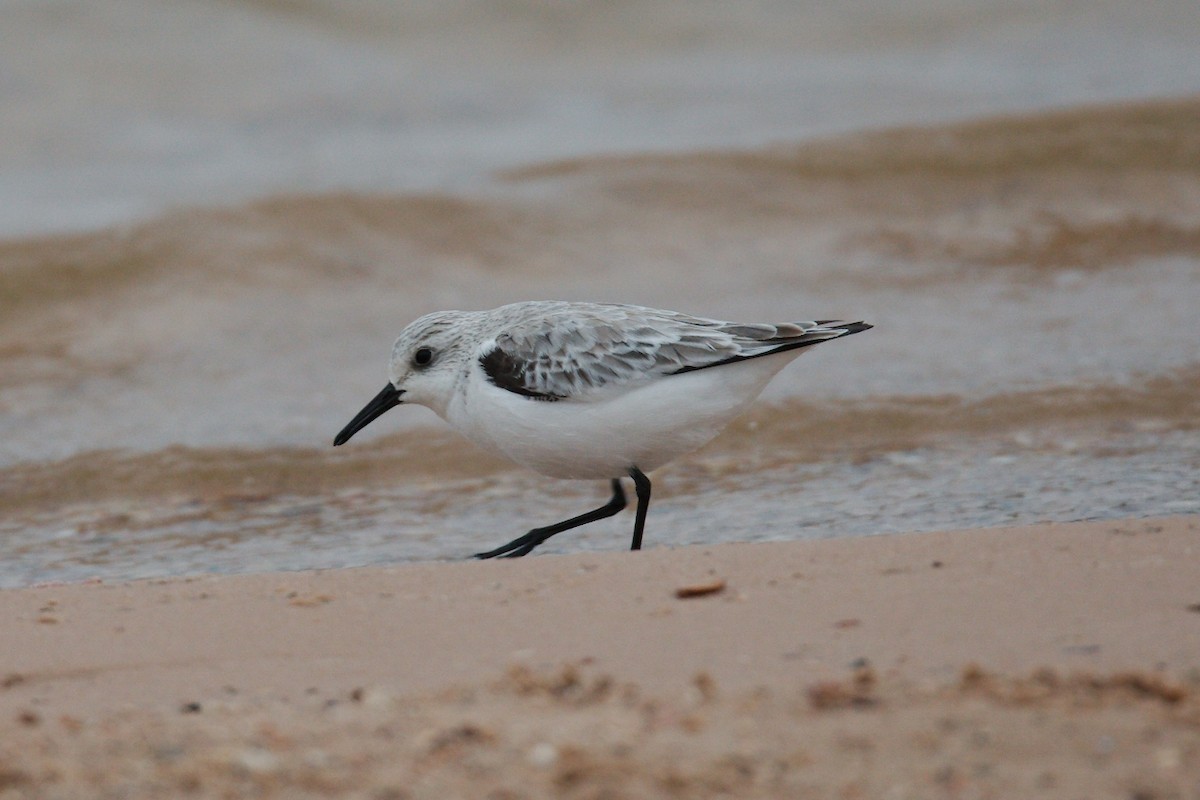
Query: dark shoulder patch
x=511, y=374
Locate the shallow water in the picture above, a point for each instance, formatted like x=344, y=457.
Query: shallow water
x=169, y=386
x=703, y=500
x=113, y=111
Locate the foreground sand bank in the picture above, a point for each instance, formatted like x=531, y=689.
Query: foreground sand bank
x=1056, y=658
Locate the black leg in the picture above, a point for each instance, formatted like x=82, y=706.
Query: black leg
x=642, y=484
x=523, y=545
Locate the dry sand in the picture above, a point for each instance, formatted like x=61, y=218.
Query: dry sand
x=1048, y=661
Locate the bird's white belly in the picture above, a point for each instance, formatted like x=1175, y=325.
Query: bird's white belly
x=645, y=426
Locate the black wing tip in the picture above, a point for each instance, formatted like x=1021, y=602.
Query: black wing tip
x=849, y=327
x=808, y=340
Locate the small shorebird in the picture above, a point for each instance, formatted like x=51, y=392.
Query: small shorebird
x=587, y=390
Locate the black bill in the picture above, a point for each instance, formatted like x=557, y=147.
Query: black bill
x=388, y=398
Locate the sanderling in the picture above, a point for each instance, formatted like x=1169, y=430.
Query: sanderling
x=587, y=390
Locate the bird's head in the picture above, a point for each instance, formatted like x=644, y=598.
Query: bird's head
x=425, y=367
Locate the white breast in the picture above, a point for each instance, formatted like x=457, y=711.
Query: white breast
x=604, y=434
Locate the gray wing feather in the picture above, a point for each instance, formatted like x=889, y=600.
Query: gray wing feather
x=572, y=350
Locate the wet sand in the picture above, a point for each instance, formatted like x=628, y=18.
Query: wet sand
x=1059, y=660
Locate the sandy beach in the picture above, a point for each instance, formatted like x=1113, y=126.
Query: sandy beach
x=1051, y=660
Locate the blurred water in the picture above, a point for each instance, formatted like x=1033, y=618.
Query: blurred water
x=116, y=111
x=1033, y=279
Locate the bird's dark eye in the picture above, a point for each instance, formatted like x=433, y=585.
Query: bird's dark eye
x=423, y=357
